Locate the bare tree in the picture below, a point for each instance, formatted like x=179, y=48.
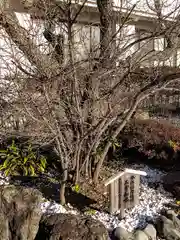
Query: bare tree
x=76, y=99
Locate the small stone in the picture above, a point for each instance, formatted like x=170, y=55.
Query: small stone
x=140, y=235
x=172, y=216
x=150, y=231
x=167, y=221
x=173, y=234
x=162, y=224
x=166, y=229
x=121, y=233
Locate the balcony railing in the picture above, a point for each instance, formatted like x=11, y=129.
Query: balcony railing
x=146, y=8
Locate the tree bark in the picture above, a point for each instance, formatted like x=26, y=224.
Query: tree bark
x=20, y=37
x=107, y=29
x=62, y=194
x=114, y=135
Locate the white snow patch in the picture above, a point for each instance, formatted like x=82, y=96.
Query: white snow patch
x=51, y=207
x=3, y=179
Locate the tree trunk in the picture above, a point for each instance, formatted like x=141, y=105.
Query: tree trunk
x=62, y=194
x=63, y=184
x=107, y=29
x=114, y=135
x=20, y=37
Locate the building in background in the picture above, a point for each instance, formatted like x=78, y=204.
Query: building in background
x=141, y=22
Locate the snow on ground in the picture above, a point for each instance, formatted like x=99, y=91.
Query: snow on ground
x=51, y=207
x=3, y=180
x=152, y=200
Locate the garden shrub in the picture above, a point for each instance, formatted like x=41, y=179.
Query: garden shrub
x=47, y=150
x=149, y=140
x=21, y=160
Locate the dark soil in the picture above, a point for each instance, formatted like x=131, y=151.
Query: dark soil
x=89, y=196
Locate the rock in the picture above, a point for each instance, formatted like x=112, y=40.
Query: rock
x=172, y=234
x=19, y=212
x=140, y=235
x=162, y=224
x=172, y=216
x=150, y=231
x=74, y=227
x=120, y=233
x=166, y=229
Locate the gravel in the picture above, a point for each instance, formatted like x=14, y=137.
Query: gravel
x=3, y=180
x=51, y=207
x=152, y=200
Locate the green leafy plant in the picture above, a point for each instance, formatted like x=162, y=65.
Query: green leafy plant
x=90, y=212
x=115, y=144
x=76, y=188
x=16, y=160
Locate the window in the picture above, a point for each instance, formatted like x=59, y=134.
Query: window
x=178, y=58
x=126, y=36
x=159, y=44
x=169, y=61
x=147, y=43
x=86, y=39
x=158, y=63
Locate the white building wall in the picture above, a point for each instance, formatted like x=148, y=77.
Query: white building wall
x=86, y=41
x=124, y=38
x=86, y=37
x=169, y=7
x=11, y=54
x=178, y=57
